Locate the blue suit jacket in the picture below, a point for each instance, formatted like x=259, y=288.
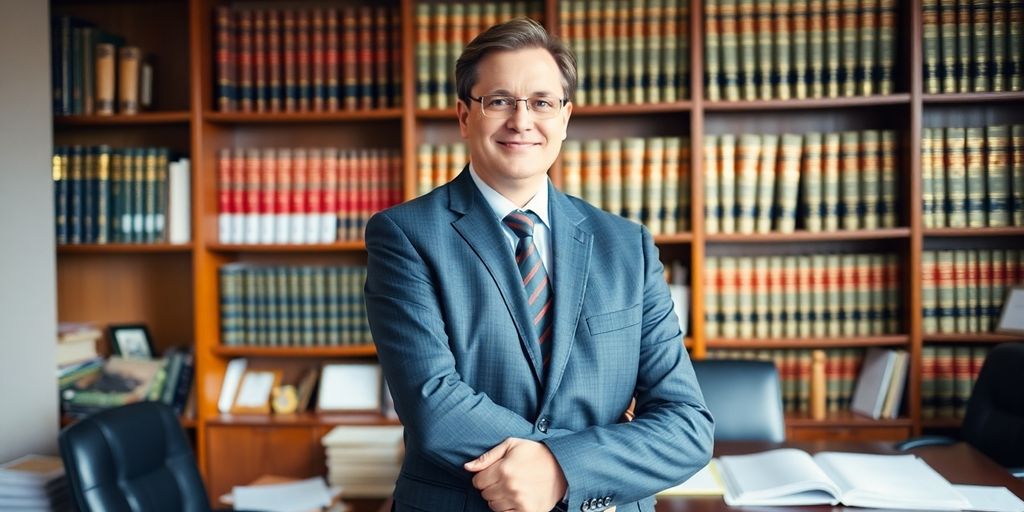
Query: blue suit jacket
x=447, y=311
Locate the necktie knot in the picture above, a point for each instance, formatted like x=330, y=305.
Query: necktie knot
x=521, y=222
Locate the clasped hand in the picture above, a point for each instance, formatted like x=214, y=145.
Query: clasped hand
x=518, y=475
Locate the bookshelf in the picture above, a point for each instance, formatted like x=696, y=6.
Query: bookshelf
x=174, y=288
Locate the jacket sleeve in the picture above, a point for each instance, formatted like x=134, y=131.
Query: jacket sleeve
x=452, y=422
x=671, y=437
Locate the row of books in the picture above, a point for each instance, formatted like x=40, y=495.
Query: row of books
x=948, y=373
x=645, y=180
x=34, y=482
x=763, y=49
x=973, y=177
x=303, y=195
x=307, y=60
x=437, y=164
x=805, y=296
x=753, y=183
x=95, y=72
x=842, y=365
x=120, y=195
x=119, y=381
x=365, y=461
x=292, y=306
x=972, y=46
x=443, y=29
x=628, y=51
x=963, y=290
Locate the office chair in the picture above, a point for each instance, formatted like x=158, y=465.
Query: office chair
x=744, y=398
x=994, y=421
x=132, y=458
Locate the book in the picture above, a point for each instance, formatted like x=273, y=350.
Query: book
x=790, y=476
x=873, y=383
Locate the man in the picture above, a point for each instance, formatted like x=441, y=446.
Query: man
x=515, y=324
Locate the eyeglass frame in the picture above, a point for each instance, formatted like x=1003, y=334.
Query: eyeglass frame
x=562, y=102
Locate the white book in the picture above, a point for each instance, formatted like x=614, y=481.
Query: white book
x=789, y=476
x=873, y=382
x=232, y=377
x=180, y=202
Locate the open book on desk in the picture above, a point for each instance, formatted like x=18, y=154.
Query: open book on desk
x=789, y=476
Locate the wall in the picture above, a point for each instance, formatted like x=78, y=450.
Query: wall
x=28, y=388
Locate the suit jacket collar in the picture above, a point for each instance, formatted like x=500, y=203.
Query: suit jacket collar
x=571, y=248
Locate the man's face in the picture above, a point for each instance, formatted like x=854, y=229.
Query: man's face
x=514, y=153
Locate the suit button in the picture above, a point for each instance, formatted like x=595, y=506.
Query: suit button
x=585, y=506
x=594, y=503
x=543, y=425
x=607, y=500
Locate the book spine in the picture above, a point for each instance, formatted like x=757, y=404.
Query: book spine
x=672, y=195
x=766, y=182
x=59, y=173
x=633, y=153
x=849, y=35
x=275, y=62
x=980, y=21
x=712, y=205
x=799, y=14
x=850, y=180
x=654, y=46
x=870, y=200
x=289, y=38
x=764, y=34
x=746, y=32
x=304, y=59
x=674, y=50
x=1015, y=50
x=831, y=158
x=868, y=46
x=102, y=190
x=948, y=70
x=653, y=210
x=794, y=301
x=727, y=182
x=816, y=48
x=728, y=300
x=730, y=46
x=439, y=50
x=833, y=47
x=928, y=216
x=930, y=45
x=811, y=182
x=259, y=60
x=712, y=293
x=886, y=207
x=789, y=182
x=746, y=183
x=762, y=306
x=886, y=62
x=712, y=51
x=318, y=47
x=1017, y=172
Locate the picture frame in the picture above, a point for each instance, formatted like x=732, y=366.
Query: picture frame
x=254, y=392
x=131, y=341
x=350, y=387
x=1011, y=320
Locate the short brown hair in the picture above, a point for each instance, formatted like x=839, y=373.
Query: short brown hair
x=515, y=34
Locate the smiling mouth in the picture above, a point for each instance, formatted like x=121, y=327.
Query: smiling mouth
x=517, y=145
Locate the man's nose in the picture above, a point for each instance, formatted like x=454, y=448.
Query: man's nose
x=521, y=118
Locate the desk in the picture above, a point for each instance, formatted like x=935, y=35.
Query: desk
x=959, y=463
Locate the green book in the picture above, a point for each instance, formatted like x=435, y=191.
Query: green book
x=712, y=50
x=684, y=47
x=637, y=49
x=607, y=77
x=939, y=207
x=849, y=180
x=727, y=182
x=832, y=307
x=879, y=300
x=765, y=51
x=928, y=381
x=956, y=178
x=997, y=176
x=998, y=64
x=1015, y=52
x=101, y=226
x=887, y=156
x=980, y=21
x=672, y=196
x=830, y=183
x=776, y=297
x=959, y=282
x=929, y=293
x=1017, y=171
x=654, y=46
x=868, y=46
x=748, y=54
x=870, y=193
x=633, y=177
x=848, y=293
x=948, y=60
x=799, y=12
x=886, y=63
x=987, y=311
x=730, y=45
x=728, y=268
x=712, y=204
x=816, y=48
x=930, y=45
x=623, y=66
x=781, y=11
x=971, y=280
x=946, y=285
x=748, y=157
x=577, y=25
x=964, y=54
x=789, y=181
x=612, y=177
x=762, y=298
x=811, y=182
x=792, y=294
x=833, y=48
x=653, y=210
x=712, y=312
x=744, y=293
x=975, y=163
x=441, y=61
x=928, y=217
x=766, y=182
x=673, y=48
x=849, y=35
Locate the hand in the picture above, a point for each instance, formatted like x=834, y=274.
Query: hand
x=519, y=475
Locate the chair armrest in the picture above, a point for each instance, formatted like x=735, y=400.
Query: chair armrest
x=917, y=442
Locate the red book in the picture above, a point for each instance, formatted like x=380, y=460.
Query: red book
x=245, y=56
x=329, y=209
x=349, y=59
x=290, y=56
x=285, y=186
x=269, y=190
x=225, y=59
x=225, y=199
x=364, y=175
x=332, y=61
x=319, y=43
x=314, y=194
x=396, y=178
x=275, y=83
x=395, y=80
x=303, y=59
x=381, y=57
x=300, y=207
x=365, y=57
x=252, y=196
x=259, y=59
x=345, y=184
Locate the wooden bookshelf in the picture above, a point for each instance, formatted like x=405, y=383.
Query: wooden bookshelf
x=174, y=289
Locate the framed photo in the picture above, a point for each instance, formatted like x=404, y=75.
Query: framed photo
x=131, y=341
x=350, y=387
x=1011, y=321
x=254, y=392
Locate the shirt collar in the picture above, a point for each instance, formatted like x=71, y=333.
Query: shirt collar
x=502, y=206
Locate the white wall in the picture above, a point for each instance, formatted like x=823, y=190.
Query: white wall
x=28, y=386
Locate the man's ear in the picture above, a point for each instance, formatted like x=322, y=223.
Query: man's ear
x=462, y=112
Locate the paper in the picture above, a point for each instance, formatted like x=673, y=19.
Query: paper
x=704, y=483
x=990, y=499
x=309, y=494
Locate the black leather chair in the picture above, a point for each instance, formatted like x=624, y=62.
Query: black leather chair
x=744, y=398
x=132, y=458
x=994, y=421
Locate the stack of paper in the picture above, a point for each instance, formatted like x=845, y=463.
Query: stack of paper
x=34, y=482
x=364, y=461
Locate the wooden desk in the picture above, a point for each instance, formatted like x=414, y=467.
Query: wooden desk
x=959, y=463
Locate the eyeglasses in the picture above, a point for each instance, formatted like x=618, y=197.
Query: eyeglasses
x=499, y=106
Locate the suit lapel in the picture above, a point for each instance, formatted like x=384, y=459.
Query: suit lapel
x=571, y=248
x=480, y=229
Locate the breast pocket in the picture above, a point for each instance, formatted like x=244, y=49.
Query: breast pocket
x=614, y=321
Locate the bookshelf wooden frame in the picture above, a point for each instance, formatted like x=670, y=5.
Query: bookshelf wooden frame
x=204, y=131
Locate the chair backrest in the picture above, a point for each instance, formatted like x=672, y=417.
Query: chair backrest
x=994, y=421
x=744, y=398
x=132, y=458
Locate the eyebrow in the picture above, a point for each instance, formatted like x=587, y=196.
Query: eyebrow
x=506, y=92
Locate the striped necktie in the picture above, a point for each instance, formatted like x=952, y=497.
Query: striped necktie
x=535, y=279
